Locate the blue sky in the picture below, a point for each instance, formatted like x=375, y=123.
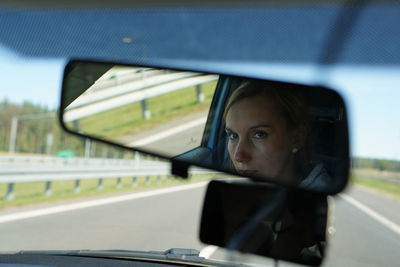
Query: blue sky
x=30, y=79
x=372, y=95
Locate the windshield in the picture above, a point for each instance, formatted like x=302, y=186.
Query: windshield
x=46, y=209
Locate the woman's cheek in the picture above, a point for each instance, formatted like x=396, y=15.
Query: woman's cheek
x=230, y=149
x=263, y=147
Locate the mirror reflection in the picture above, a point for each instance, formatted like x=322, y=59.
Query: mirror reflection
x=268, y=130
x=145, y=108
x=273, y=131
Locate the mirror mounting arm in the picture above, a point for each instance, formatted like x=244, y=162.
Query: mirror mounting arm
x=179, y=168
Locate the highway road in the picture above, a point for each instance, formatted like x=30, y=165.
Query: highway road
x=164, y=219
x=367, y=232
x=361, y=240
x=172, y=138
x=187, y=140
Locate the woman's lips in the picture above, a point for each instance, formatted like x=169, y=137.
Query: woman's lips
x=247, y=172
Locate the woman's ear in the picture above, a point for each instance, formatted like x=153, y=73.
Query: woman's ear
x=298, y=138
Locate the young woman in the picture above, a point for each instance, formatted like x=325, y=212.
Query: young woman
x=269, y=132
x=269, y=129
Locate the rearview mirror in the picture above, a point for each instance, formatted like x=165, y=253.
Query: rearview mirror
x=289, y=134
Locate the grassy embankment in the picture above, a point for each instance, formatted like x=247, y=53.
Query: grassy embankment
x=374, y=179
x=128, y=120
x=33, y=193
x=119, y=122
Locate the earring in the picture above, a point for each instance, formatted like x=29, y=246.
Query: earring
x=294, y=150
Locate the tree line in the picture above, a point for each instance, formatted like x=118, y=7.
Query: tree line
x=379, y=164
x=33, y=137
x=43, y=134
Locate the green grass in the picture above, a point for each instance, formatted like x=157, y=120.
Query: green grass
x=128, y=120
x=385, y=187
x=33, y=193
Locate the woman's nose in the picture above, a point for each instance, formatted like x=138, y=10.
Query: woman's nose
x=242, y=153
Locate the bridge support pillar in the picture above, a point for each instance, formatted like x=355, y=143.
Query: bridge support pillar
x=199, y=93
x=10, y=191
x=145, y=109
x=77, y=186
x=100, y=184
x=119, y=183
x=47, y=189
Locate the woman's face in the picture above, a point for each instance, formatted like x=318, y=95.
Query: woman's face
x=259, y=142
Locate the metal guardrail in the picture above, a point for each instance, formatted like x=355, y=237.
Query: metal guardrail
x=79, y=112
x=120, y=77
x=53, y=161
x=116, y=87
x=82, y=169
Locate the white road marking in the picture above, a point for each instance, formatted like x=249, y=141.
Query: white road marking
x=208, y=251
x=380, y=218
x=331, y=216
x=93, y=203
x=164, y=134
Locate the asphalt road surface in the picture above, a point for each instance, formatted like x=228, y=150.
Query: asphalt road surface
x=170, y=219
x=172, y=138
x=187, y=140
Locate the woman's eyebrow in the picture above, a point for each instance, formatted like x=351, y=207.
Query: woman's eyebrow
x=261, y=126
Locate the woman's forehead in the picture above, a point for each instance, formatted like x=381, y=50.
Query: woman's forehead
x=262, y=110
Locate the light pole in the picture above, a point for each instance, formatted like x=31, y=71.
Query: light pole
x=13, y=135
x=14, y=127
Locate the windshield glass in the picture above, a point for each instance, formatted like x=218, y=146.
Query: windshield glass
x=43, y=207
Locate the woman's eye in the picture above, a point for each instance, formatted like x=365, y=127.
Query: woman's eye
x=231, y=135
x=260, y=134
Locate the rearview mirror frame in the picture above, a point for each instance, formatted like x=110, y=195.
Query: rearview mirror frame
x=180, y=165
